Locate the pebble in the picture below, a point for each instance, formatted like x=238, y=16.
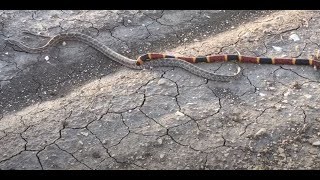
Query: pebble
x=294, y=37
x=162, y=82
x=262, y=94
x=281, y=150
x=160, y=141
x=46, y=58
x=84, y=133
x=317, y=143
x=308, y=96
x=179, y=113
x=260, y=132
x=279, y=49
x=64, y=43
x=161, y=156
x=286, y=94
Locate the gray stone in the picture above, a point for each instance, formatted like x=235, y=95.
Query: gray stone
x=316, y=143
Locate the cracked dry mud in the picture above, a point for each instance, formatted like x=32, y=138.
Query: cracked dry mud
x=73, y=108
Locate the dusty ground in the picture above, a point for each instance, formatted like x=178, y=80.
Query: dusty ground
x=73, y=108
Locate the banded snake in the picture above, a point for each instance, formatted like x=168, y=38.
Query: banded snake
x=162, y=60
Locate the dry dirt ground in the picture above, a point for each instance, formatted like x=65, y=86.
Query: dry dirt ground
x=73, y=108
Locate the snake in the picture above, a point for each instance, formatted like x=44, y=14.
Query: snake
x=130, y=63
x=146, y=61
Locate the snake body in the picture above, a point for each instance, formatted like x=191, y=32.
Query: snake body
x=231, y=57
x=131, y=63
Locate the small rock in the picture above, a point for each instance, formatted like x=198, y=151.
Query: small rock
x=281, y=150
x=279, y=107
x=296, y=85
x=64, y=43
x=279, y=49
x=84, y=133
x=162, y=82
x=294, y=37
x=46, y=58
x=286, y=94
x=161, y=156
x=160, y=141
x=260, y=132
x=179, y=113
x=261, y=94
x=317, y=143
x=282, y=155
x=308, y=96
